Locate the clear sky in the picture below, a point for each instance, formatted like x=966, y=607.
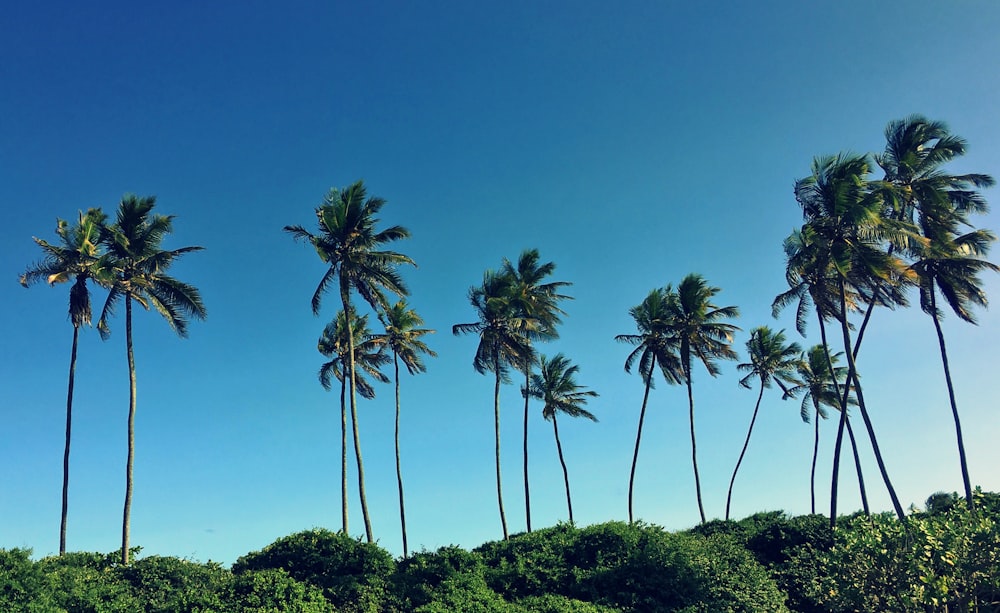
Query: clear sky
x=632, y=143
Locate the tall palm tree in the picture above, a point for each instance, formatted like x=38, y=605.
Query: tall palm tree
x=654, y=348
x=76, y=258
x=368, y=358
x=138, y=265
x=403, y=337
x=950, y=265
x=555, y=385
x=701, y=332
x=845, y=216
x=771, y=359
x=349, y=243
x=504, y=340
x=538, y=303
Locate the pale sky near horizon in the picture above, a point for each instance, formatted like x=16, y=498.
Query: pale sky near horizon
x=631, y=144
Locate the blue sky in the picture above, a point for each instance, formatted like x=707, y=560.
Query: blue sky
x=631, y=144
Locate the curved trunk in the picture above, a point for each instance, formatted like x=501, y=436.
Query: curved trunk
x=569, y=500
x=343, y=452
x=852, y=374
x=857, y=466
x=841, y=422
x=812, y=471
x=496, y=428
x=69, y=433
x=638, y=437
x=694, y=447
x=527, y=491
x=954, y=407
x=399, y=471
x=746, y=444
x=345, y=298
x=126, y=515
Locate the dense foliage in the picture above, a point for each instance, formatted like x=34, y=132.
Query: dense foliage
x=941, y=559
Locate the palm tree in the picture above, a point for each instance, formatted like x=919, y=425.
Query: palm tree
x=951, y=265
x=504, y=340
x=76, y=258
x=368, y=358
x=654, y=348
x=349, y=243
x=771, y=359
x=845, y=216
x=138, y=266
x=701, y=332
x=537, y=303
x=403, y=337
x=556, y=387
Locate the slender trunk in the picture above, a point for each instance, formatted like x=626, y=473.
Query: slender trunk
x=527, y=491
x=126, y=518
x=569, y=500
x=951, y=396
x=399, y=471
x=496, y=428
x=69, y=433
x=343, y=451
x=841, y=422
x=853, y=376
x=812, y=472
x=746, y=444
x=857, y=466
x=345, y=298
x=638, y=437
x=694, y=447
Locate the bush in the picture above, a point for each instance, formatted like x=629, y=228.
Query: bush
x=531, y=564
x=418, y=576
x=274, y=591
x=172, y=585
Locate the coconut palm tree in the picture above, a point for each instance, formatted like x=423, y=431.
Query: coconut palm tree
x=538, y=303
x=349, y=243
x=771, y=359
x=504, y=340
x=950, y=265
x=76, y=258
x=403, y=338
x=701, y=332
x=137, y=265
x=845, y=216
x=654, y=348
x=368, y=358
x=555, y=385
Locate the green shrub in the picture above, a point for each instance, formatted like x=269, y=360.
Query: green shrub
x=22, y=585
x=172, y=585
x=418, y=576
x=272, y=591
x=467, y=593
x=531, y=564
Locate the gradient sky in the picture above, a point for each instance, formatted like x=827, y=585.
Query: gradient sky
x=631, y=143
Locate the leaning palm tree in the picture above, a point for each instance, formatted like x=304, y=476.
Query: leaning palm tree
x=368, y=358
x=538, y=303
x=403, y=338
x=138, y=265
x=698, y=325
x=555, y=385
x=504, y=340
x=950, y=265
x=654, y=348
x=771, y=359
x=76, y=258
x=349, y=244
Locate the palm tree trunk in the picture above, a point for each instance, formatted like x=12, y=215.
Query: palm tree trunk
x=638, y=437
x=527, y=490
x=812, y=472
x=345, y=298
x=838, y=445
x=126, y=516
x=399, y=471
x=69, y=433
x=954, y=407
x=852, y=374
x=857, y=466
x=694, y=447
x=496, y=428
x=343, y=453
x=569, y=500
x=746, y=444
